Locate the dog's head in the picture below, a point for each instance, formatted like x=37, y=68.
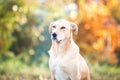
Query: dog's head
x=62, y=29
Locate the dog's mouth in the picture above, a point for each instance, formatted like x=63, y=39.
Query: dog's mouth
x=56, y=40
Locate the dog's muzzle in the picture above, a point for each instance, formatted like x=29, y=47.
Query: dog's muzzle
x=54, y=37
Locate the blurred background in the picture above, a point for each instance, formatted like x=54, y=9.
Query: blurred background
x=25, y=41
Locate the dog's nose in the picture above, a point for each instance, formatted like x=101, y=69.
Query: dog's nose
x=54, y=34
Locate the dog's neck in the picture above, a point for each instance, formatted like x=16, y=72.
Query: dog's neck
x=62, y=47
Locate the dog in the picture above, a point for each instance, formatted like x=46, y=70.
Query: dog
x=65, y=62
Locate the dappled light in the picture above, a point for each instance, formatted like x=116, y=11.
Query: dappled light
x=25, y=40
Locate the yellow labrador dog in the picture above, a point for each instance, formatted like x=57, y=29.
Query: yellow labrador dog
x=65, y=62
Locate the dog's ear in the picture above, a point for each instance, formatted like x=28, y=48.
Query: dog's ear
x=50, y=28
x=74, y=28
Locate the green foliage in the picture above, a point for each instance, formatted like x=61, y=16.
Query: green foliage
x=104, y=72
x=13, y=68
x=18, y=31
x=7, y=22
x=24, y=35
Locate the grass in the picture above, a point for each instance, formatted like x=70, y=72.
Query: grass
x=102, y=70
x=105, y=72
x=16, y=68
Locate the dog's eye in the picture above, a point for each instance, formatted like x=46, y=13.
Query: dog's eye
x=54, y=26
x=62, y=27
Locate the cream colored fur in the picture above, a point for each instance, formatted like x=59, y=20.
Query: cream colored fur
x=65, y=62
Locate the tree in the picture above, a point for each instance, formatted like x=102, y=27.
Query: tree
x=17, y=26
x=97, y=29
x=8, y=14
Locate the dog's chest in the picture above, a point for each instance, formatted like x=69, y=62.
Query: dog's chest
x=58, y=66
x=60, y=74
